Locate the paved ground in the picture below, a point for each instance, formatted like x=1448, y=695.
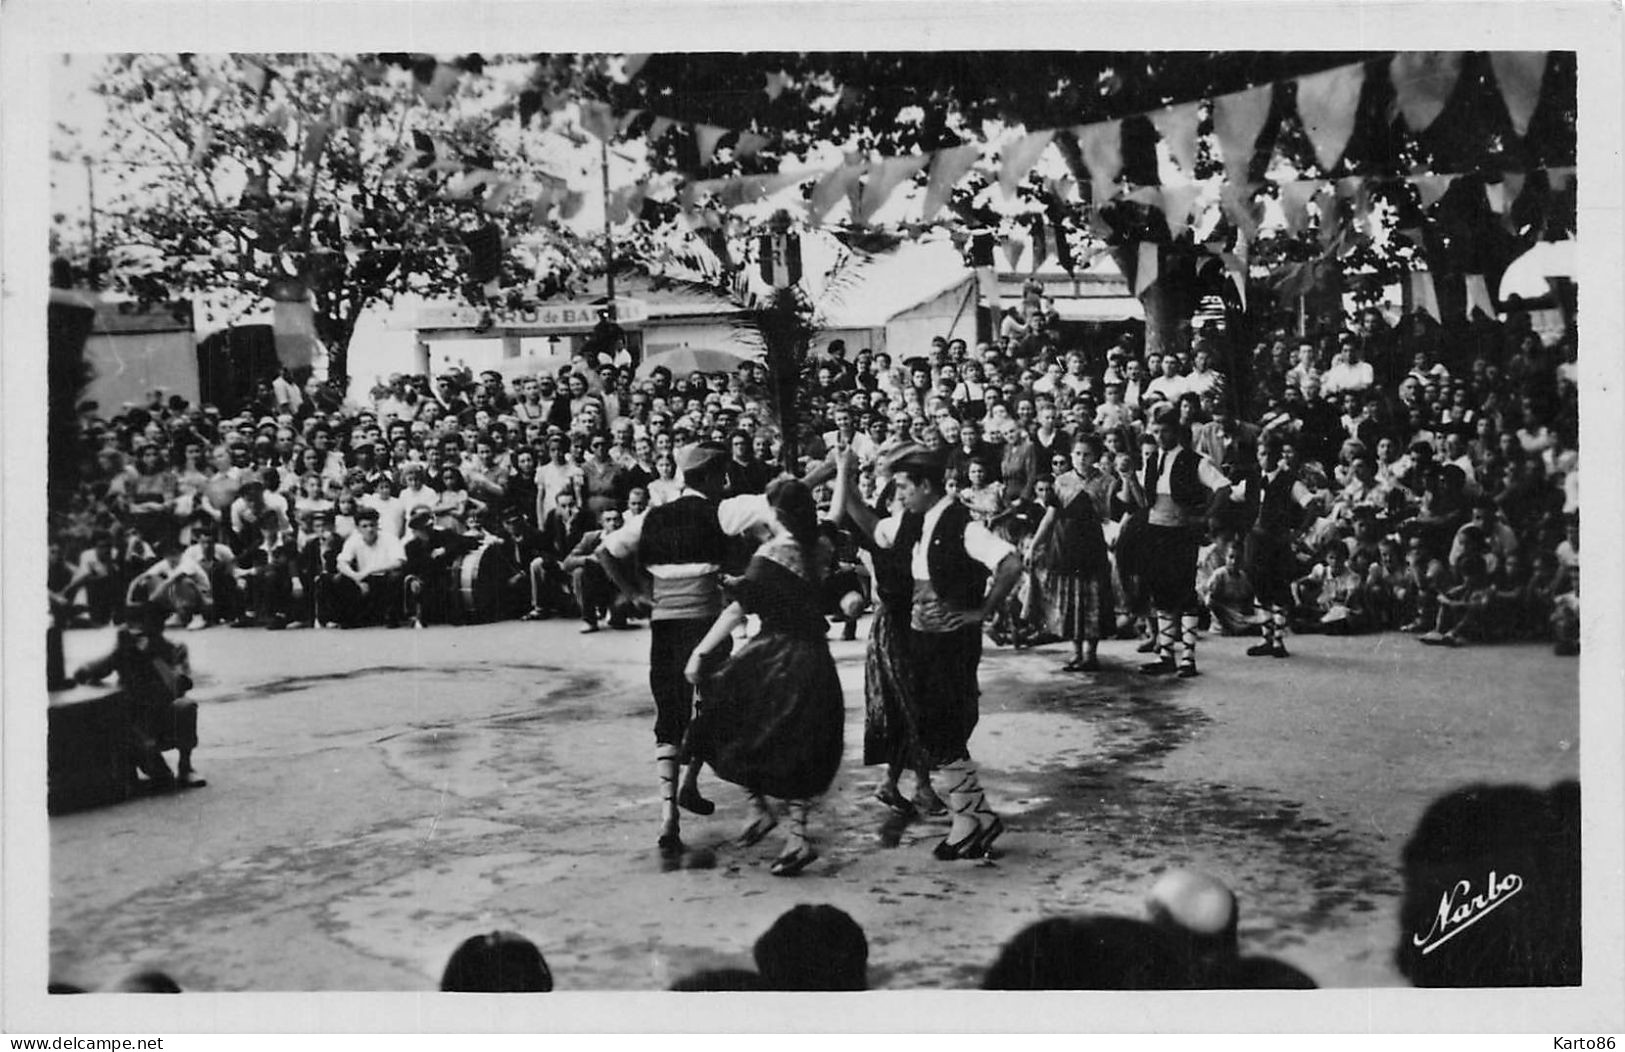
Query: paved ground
x=377, y=796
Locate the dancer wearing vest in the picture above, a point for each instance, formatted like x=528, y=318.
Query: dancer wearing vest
x=1183, y=487
x=951, y=559
x=681, y=547
x=1269, y=558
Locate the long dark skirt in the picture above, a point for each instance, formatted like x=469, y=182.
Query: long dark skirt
x=771, y=719
x=891, y=715
x=1080, y=605
x=945, y=665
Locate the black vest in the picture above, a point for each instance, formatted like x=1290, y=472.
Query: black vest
x=1186, y=486
x=1277, y=512
x=959, y=580
x=684, y=531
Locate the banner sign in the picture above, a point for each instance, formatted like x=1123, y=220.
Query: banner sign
x=567, y=317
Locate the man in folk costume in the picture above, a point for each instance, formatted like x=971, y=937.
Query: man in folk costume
x=1280, y=500
x=681, y=547
x=1182, y=486
x=952, y=559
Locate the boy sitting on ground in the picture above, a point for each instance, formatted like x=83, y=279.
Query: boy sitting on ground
x=1464, y=610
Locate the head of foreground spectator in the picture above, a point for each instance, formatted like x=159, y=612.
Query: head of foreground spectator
x=1088, y=953
x=813, y=948
x=498, y=963
x=1199, y=914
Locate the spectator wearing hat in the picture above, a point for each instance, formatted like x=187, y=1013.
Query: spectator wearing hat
x=962, y=574
x=430, y=553
x=681, y=547
x=1183, y=488
x=367, y=588
x=316, y=565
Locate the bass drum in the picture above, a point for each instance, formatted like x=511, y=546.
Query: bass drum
x=479, y=585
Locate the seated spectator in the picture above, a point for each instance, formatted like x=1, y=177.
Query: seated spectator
x=502, y=962
x=1229, y=597
x=1089, y=953
x=430, y=553
x=1464, y=611
x=813, y=948
x=595, y=594
x=1330, y=596
x=1522, y=930
x=367, y=588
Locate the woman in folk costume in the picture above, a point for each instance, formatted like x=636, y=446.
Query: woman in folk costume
x=1076, y=563
x=891, y=724
x=772, y=715
x=1182, y=487
x=961, y=573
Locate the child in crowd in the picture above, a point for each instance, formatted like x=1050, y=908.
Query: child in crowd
x=1464, y=611
x=1330, y=595
x=1229, y=597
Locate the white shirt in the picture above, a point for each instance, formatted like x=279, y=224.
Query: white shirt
x=366, y=559
x=736, y=516
x=391, y=513
x=1347, y=376
x=1170, y=387
x=981, y=543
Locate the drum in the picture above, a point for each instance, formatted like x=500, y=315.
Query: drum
x=479, y=585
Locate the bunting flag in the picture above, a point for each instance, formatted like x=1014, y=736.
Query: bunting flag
x=750, y=144
x=1236, y=200
x=1020, y=157
x=1432, y=187
x=1177, y=125
x=659, y=128
x=1063, y=247
x=257, y=77
x=1102, y=149
x=832, y=187
x=1423, y=83
x=947, y=168
x=1145, y=269
x=200, y=148
x=1236, y=265
x=1013, y=249
x=625, y=203
x=1518, y=74
x=570, y=204
x=736, y=193
x=293, y=330
x=1496, y=195
x=315, y=142
x=1559, y=178
x=442, y=83
x=883, y=178
x=598, y=119
x=777, y=81
x=706, y=136
x=627, y=120
x=633, y=64
x=1478, y=297
x=1237, y=121
x=1295, y=198
x=1327, y=104
x=1040, y=242
x=1177, y=202
x=1423, y=295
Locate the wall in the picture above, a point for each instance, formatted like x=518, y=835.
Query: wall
x=910, y=332
x=127, y=366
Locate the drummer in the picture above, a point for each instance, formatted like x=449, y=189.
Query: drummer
x=430, y=555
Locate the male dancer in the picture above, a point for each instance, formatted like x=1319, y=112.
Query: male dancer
x=681, y=546
x=951, y=560
x=1280, y=497
x=1183, y=487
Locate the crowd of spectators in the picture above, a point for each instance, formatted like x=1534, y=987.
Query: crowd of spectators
x=1443, y=459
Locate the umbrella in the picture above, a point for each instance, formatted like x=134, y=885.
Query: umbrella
x=685, y=360
x=1526, y=276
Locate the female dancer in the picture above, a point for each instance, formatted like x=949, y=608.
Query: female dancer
x=772, y=718
x=891, y=729
x=1071, y=550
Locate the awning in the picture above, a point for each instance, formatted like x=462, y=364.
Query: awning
x=1099, y=308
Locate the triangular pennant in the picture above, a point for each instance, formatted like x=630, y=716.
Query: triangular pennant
x=659, y=128
x=633, y=64
x=885, y=177
x=832, y=187
x=947, y=168
x=1150, y=196
x=626, y=121
x=1177, y=202
x=625, y=203
x=707, y=136
x=1236, y=266
x=1331, y=219
x=200, y=148
x=1432, y=187
x=1327, y=103
x=599, y=119
x=1478, y=296
x=777, y=81
x=570, y=205
x=1013, y=250
x=1518, y=74
x=1424, y=296
x=315, y=142
x=441, y=84
x=257, y=77
x=1145, y=270
x=750, y=144
x=1559, y=178
x=1102, y=149
x=1019, y=158
x=1040, y=240
x=1514, y=182
x=1423, y=82
x=1177, y=125
x=1236, y=199
x=1237, y=120
x=752, y=188
x=1295, y=198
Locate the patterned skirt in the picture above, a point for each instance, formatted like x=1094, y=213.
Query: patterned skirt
x=1079, y=606
x=891, y=718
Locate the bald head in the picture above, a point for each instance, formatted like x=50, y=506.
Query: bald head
x=1200, y=910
